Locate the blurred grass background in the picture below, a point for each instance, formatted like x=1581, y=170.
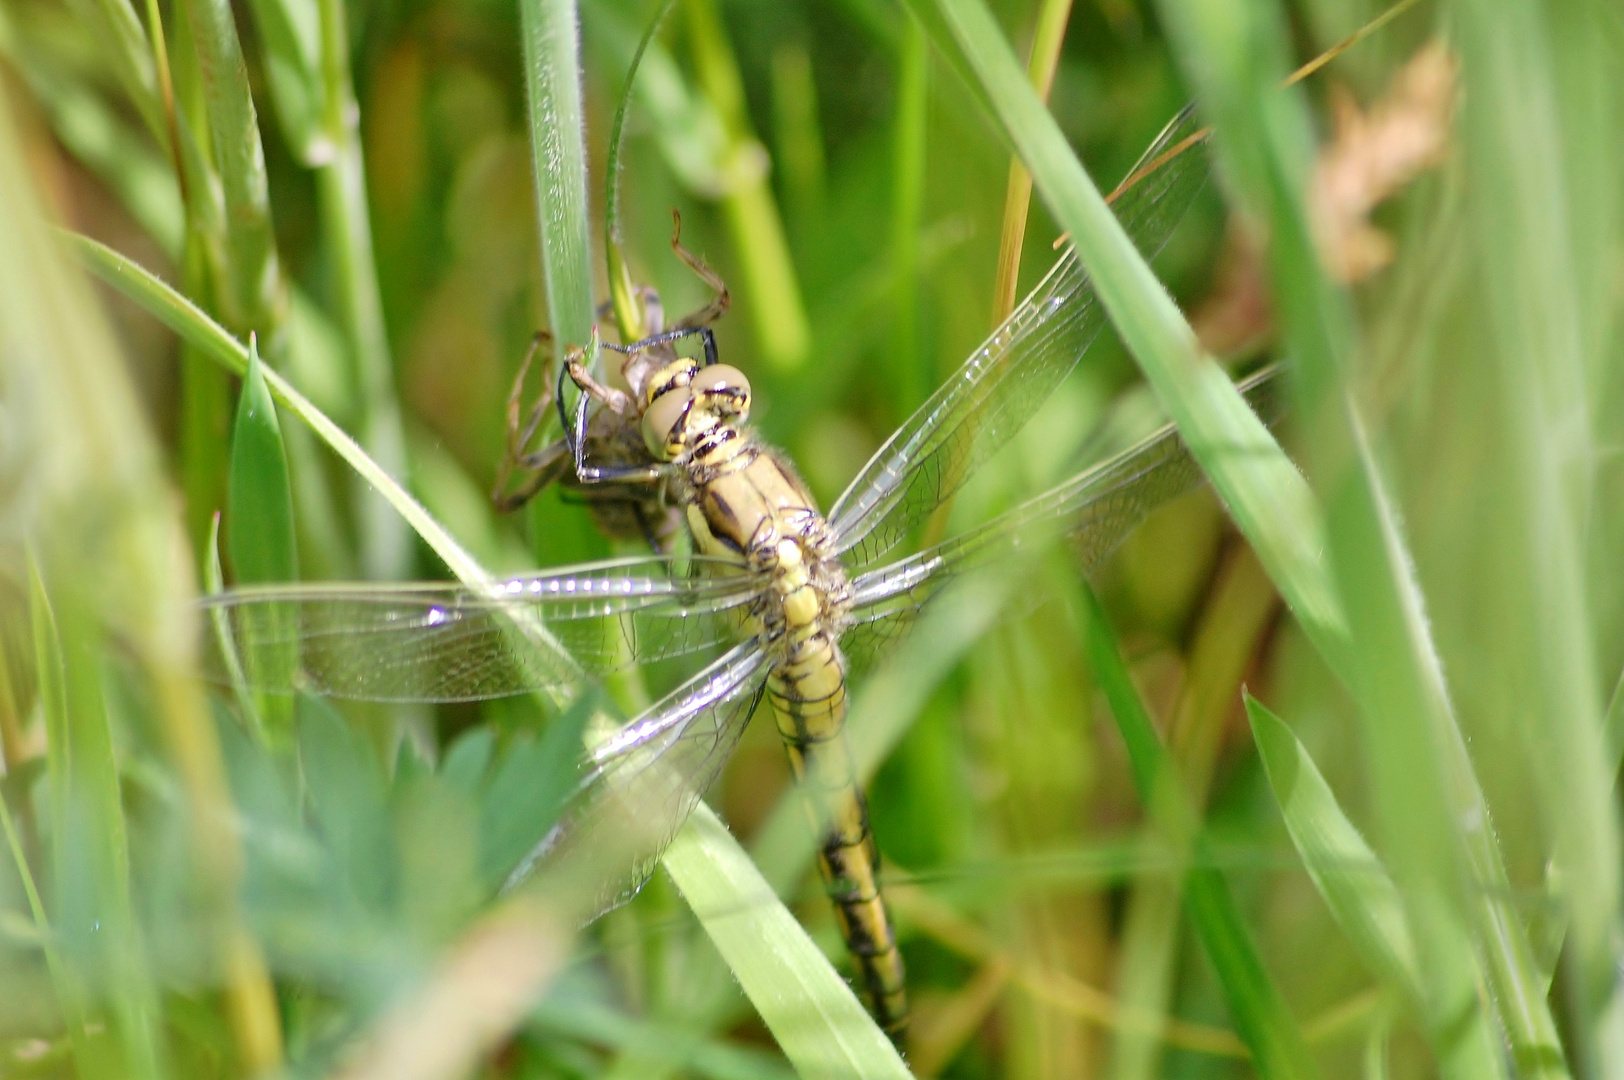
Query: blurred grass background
x=355, y=186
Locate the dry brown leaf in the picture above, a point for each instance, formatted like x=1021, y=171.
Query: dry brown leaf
x=1374, y=154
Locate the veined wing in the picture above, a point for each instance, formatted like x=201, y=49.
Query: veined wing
x=447, y=642
x=644, y=779
x=1005, y=381
x=1096, y=510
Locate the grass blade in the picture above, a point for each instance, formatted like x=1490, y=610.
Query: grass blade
x=346, y=220
x=260, y=533
x=1539, y=285
x=1255, y=1004
x=214, y=341
x=777, y=311
x=812, y=1013
x=552, y=79
x=290, y=35
x=1260, y=487
x=1424, y=774
x=1348, y=875
x=253, y=297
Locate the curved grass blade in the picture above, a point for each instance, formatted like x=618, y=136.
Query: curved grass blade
x=1349, y=876
x=183, y=317
x=1263, y=491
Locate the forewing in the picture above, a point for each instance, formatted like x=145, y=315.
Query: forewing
x=442, y=642
x=644, y=779
x=1004, y=382
x=1095, y=511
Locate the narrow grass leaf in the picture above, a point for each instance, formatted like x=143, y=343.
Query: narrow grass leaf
x=1349, y=876
x=347, y=229
x=814, y=1016
x=552, y=79
x=259, y=531
x=95, y=921
x=253, y=297
x=213, y=340
x=290, y=35
x=778, y=314
x=1255, y=1003
x=1261, y=488
x=124, y=43
x=1433, y=810
x=628, y=311
x=1438, y=841
x=1521, y=143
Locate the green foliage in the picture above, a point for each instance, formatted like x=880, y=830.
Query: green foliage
x=260, y=524
x=1418, y=875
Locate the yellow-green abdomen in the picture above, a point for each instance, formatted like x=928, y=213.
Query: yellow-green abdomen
x=808, y=693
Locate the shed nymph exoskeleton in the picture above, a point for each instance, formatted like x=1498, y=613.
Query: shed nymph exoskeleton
x=610, y=435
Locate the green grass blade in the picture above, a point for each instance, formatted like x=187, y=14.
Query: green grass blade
x=124, y=42
x=253, y=297
x=259, y=526
x=346, y=220
x=812, y=1013
x=95, y=922
x=557, y=132
x=1234, y=624
x=1451, y=879
x=1255, y=1004
x=1349, y=876
x=1425, y=780
x=290, y=37
x=628, y=311
x=214, y=341
x=911, y=374
x=770, y=286
x=260, y=522
x=1528, y=118
x=1261, y=488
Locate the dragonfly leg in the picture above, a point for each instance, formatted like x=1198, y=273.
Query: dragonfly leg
x=519, y=436
x=704, y=333
x=717, y=307
x=575, y=430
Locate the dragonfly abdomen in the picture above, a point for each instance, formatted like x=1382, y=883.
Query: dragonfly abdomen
x=808, y=694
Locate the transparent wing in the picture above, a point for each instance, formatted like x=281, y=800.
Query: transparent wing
x=1095, y=510
x=644, y=779
x=444, y=642
x=1005, y=381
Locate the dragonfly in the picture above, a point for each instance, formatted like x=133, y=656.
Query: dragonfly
x=795, y=602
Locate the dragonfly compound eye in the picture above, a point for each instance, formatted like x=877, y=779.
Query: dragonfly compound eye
x=664, y=419
x=724, y=390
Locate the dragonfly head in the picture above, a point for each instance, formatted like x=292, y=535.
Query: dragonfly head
x=686, y=400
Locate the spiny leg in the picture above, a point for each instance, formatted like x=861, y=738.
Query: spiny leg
x=704, y=333
x=575, y=431
x=717, y=307
x=519, y=435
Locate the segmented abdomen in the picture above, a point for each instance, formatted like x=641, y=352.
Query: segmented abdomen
x=808, y=694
